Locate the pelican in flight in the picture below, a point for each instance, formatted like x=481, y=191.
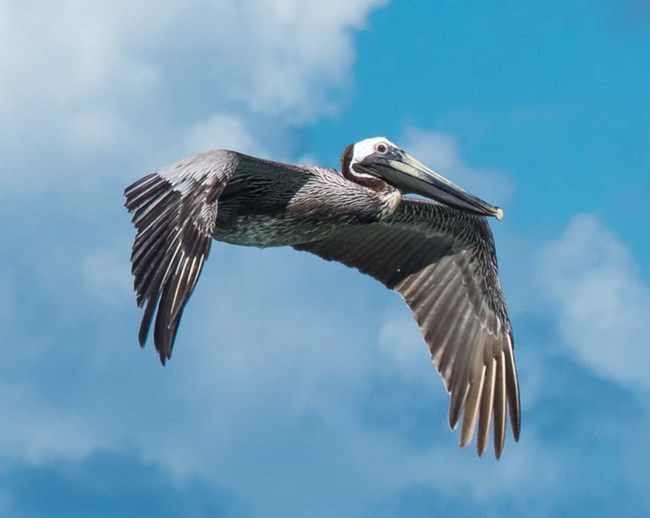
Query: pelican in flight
x=437, y=253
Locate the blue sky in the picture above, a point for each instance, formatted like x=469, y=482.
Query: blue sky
x=298, y=387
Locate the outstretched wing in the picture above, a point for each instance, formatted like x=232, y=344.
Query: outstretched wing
x=174, y=211
x=443, y=263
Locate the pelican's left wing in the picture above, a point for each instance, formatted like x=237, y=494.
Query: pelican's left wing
x=443, y=263
x=174, y=212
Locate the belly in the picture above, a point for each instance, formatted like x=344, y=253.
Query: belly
x=267, y=231
x=292, y=216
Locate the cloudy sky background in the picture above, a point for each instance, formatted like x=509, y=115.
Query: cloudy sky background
x=299, y=387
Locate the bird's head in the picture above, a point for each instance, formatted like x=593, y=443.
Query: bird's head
x=378, y=158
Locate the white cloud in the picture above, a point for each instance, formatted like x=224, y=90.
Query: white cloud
x=601, y=301
x=487, y=481
x=224, y=132
x=402, y=350
x=106, y=274
x=40, y=432
x=96, y=129
x=140, y=77
x=441, y=152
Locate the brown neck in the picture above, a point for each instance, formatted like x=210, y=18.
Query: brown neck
x=372, y=183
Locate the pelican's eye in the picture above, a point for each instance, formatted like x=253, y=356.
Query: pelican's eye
x=381, y=148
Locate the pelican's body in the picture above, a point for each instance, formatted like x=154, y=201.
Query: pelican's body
x=439, y=255
x=308, y=202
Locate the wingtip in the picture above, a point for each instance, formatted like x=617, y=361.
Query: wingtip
x=497, y=453
x=457, y=404
x=515, y=423
x=452, y=421
x=143, y=332
x=164, y=355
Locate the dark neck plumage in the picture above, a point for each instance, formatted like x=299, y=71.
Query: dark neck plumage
x=370, y=182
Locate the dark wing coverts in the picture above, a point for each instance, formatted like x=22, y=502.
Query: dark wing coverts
x=174, y=212
x=443, y=263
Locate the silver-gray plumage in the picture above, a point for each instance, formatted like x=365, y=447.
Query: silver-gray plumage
x=440, y=260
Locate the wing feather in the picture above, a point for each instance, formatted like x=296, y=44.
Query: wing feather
x=174, y=212
x=500, y=406
x=443, y=263
x=487, y=403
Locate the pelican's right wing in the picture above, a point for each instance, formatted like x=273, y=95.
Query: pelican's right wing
x=443, y=263
x=174, y=211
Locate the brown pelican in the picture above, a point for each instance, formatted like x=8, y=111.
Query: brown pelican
x=438, y=255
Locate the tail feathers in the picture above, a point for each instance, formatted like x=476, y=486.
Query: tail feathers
x=174, y=224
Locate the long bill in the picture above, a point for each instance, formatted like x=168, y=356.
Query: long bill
x=411, y=176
